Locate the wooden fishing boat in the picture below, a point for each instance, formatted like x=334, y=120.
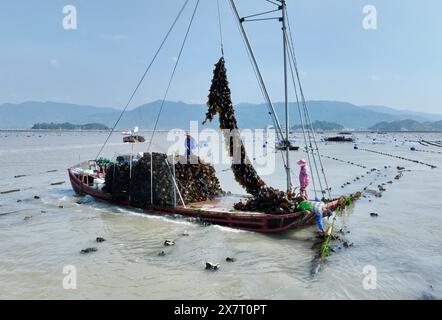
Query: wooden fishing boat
x=88, y=178
x=213, y=212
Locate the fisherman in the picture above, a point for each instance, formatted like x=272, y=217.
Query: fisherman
x=189, y=144
x=319, y=209
x=304, y=178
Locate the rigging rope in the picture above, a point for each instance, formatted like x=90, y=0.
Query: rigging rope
x=173, y=74
x=220, y=29
x=293, y=56
x=259, y=78
x=302, y=126
x=143, y=76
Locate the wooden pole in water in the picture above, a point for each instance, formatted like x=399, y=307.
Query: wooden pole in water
x=130, y=171
x=151, y=179
x=173, y=173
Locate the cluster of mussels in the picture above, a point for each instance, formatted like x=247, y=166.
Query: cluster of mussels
x=264, y=198
x=195, y=179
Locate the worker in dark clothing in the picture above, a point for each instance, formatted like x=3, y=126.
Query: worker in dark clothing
x=189, y=145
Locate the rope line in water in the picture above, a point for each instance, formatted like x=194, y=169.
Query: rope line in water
x=33, y=174
x=343, y=161
x=428, y=151
x=401, y=158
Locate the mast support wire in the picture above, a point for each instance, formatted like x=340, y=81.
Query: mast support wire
x=143, y=76
x=259, y=77
x=306, y=112
x=173, y=74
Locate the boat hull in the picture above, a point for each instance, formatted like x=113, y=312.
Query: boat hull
x=257, y=222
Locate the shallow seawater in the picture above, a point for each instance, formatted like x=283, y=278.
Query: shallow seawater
x=39, y=237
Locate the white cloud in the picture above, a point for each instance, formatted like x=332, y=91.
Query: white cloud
x=375, y=77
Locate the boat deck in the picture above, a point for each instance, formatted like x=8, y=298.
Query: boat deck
x=223, y=204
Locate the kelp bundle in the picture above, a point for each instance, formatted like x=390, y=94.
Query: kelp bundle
x=196, y=181
x=265, y=198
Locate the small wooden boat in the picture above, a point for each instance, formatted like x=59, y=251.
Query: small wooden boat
x=341, y=137
x=84, y=182
x=133, y=139
x=283, y=146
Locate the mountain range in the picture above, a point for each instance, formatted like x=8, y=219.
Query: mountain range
x=408, y=125
x=178, y=114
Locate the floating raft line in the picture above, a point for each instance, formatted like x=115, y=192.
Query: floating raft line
x=57, y=183
x=436, y=144
x=10, y=191
x=11, y=212
x=428, y=151
x=432, y=166
x=366, y=175
x=34, y=174
x=343, y=161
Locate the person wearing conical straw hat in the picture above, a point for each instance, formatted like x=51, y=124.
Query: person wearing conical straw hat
x=304, y=178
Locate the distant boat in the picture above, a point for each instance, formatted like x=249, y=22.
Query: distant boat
x=282, y=146
x=341, y=137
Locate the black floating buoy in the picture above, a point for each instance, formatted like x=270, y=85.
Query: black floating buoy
x=347, y=244
x=374, y=214
x=36, y=197
x=212, y=266
x=229, y=259
x=161, y=254
x=88, y=250
x=169, y=243
x=100, y=239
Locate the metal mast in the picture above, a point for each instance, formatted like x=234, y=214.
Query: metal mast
x=287, y=126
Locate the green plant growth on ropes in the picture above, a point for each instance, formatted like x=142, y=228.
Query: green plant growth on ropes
x=344, y=202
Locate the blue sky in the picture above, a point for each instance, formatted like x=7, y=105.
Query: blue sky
x=399, y=64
